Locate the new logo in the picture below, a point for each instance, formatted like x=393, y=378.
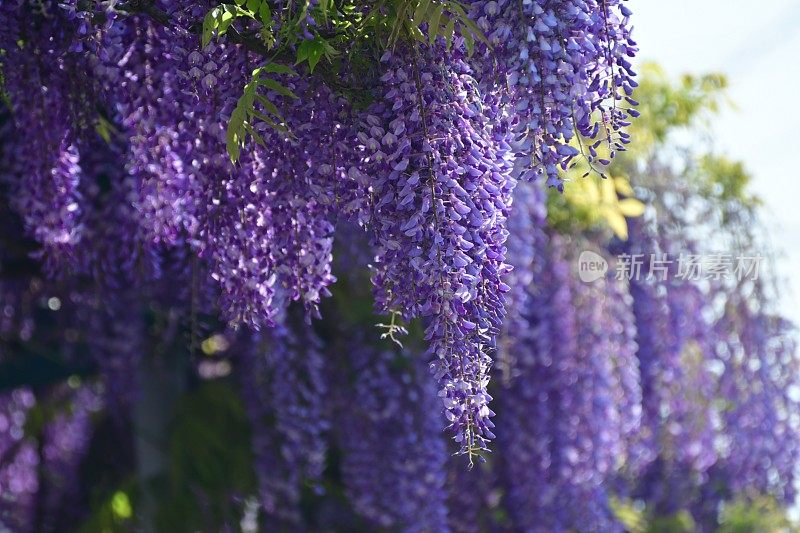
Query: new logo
x=591, y=266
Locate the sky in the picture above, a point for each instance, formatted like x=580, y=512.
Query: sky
x=757, y=45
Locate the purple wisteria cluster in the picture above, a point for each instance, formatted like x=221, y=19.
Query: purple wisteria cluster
x=564, y=68
x=130, y=122
x=167, y=201
x=701, y=369
x=443, y=191
x=18, y=477
x=264, y=226
x=576, y=366
x=46, y=188
x=393, y=457
x=39, y=479
x=285, y=394
x=761, y=446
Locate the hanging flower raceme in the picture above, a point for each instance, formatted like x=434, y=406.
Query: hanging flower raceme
x=18, y=473
x=526, y=243
x=441, y=193
x=680, y=424
x=64, y=443
x=760, y=385
x=568, y=71
x=618, y=332
x=172, y=137
x=50, y=104
x=284, y=391
x=269, y=225
x=390, y=436
x=115, y=333
x=264, y=224
x=115, y=251
x=572, y=402
x=672, y=366
x=39, y=477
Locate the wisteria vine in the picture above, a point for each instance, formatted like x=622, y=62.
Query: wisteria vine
x=175, y=177
x=429, y=167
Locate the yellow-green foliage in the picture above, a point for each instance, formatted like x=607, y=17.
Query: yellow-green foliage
x=595, y=203
x=666, y=106
x=637, y=518
x=761, y=514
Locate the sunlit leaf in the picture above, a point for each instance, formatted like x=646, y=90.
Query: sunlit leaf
x=608, y=191
x=616, y=222
x=623, y=187
x=630, y=207
x=419, y=13
x=277, y=87
x=433, y=23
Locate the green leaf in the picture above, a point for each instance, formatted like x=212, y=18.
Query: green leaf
x=448, y=32
x=269, y=122
x=433, y=23
x=399, y=22
x=219, y=19
x=469, y=42
x=35, y=421
x=315, y=53
x=224, y=20
x=265, y=14
x=254, y=134
x=248, y=96
x=209, y=25
x=323, y=7
x=277, y=87
x=232, y=145
x=269, y=106
x=234, y=135
x=104, y=128
x=416, y=33
x=419, y=13
x=616, y=221
x=228, y=14
x=302, y=52
x=472, y=29
x=275, y=68
x=475, y=31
